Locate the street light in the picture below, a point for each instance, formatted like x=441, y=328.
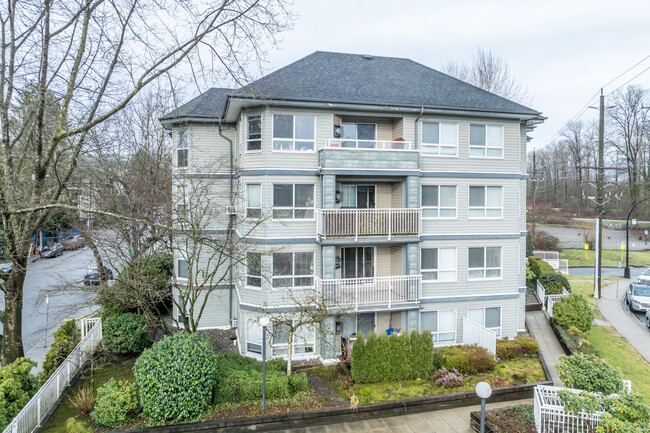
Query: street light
x=264, y=322
x=626, y=273
x=483, y=390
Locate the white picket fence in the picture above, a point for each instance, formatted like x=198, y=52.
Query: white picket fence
x=473, y=333
x=47, y=397
x=548, y=300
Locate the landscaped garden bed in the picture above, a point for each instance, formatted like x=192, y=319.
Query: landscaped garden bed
x=514, y=419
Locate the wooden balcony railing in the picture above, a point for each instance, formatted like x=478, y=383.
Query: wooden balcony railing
x=338, y=223
x=347, y=143
x=377, y=291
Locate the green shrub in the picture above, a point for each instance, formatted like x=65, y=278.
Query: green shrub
x=235, y=361
x=276, y=364
x=545, y=241
x=298, y=383
x=125, y=333
x=533, y=268
x=529, y=244
x=73, y=425
x=466, y=359
x=573, y=311
x=17, y=386
x=554, y=283
x=520, y=346
x=115, y=401
x=578, y=343
x=176, y=377
x=66, y=339
x=385, y=358
x=241, y=385
x=589, y=373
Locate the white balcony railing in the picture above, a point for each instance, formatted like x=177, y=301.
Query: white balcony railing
x=473, y=333
x=377, y=291
x=347, y=143
x=367, y=222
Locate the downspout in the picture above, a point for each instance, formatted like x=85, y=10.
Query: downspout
x=230, y=222
x=416, y=124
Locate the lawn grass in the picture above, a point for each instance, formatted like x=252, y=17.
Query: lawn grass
x=578, y=257
x=582, y=285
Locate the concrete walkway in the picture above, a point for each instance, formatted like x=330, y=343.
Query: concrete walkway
x=631, y=329
x=441, y=421
x=549, y=347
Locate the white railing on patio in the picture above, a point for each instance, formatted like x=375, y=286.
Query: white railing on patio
x=47, y=397
x=553, y=259
x=548, y=300
x=473, y=333
x=563, y=266
x=367, y=222
x=356, y=292
x=347, y=143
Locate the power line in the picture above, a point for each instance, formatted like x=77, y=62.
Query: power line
x=628, y=70
x=624, y=84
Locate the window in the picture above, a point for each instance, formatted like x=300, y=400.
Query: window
x=349, y=196
x=254, y=137
x=438, y=264
x=488, y=317
x=181, y=213
x=483, y=263
x=438, y=201
x=485, y=202
x=253, y=200
x=182, y=151
x=358, y=262
x=303, y=338
x=293, y=201
x=293, y=270
x=254, y=270
x=293, y=133
x=359, y=135
x=442, y=325
x=439, y=138
x=486, y=141
x=253, y=337
x=183, y=269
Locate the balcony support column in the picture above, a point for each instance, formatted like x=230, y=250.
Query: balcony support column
x=329, y=261
x=328, y=182
x=412, y=192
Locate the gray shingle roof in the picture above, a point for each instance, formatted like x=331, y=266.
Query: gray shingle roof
x=359, y=79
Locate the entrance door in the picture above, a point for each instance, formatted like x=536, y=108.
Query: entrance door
x=365, y=196
x=358, y=262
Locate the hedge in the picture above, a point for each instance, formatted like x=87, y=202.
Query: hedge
x=589, y=373
x=66, y=339
x=520, y=346
x=125, y=333
x=573, y=311
x=466, y=359
x=396, y=357
x=554, y=283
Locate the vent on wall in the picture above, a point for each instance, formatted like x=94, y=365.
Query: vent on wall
x=367, y=56
x=231, y=210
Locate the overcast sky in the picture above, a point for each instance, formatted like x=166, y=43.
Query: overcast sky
x=563, y=51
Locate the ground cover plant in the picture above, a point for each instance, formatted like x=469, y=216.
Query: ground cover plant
x=516, y=419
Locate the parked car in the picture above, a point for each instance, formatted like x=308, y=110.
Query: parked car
x=50, y=251
x=644, y=277
x=71, y=243
x=92, y=274
x=638, y=297
x=647, y=318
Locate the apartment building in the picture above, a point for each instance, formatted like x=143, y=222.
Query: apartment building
x=394, y=191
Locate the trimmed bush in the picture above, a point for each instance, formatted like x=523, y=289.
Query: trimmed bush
x=554, y=283
x=298, y=383
x=176, y=377
x=589, y=373
x=520, y=346
x=17, y=386
x=573, y=311
x=276, y=364
x=466, y=359
x=115, y=401
x=125, y=333
x=241, y=385
x=545, y=241
x=385, y=358
x=66, y=339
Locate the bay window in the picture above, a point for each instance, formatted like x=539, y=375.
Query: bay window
x=182, y=150
x=254, y=270
x=253, y=200
x=293, y=201
x=254, y=134
x=293, y=270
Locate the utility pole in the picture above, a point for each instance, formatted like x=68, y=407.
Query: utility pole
x=600, y=194
x=534, y=180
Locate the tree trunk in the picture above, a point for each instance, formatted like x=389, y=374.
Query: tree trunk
x=12, y=319
x=289, y=350
x=93, y=247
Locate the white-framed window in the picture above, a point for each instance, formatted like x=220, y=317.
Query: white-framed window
x=439, y=138
x=303, y=338
x=442, y=325
x=182, y=149
x=254, y=270
x=254, y=134
x=489, y=317
x=349, y=196
x=485, y=202
x=253, y=337
x=293, y=133
x=438, y=264
x=486, y=141
x=359, y=135
x=293, y=201
x=183, y=268
x=253, y=200
x=483, y=263
x=438, y=201
x=293, y=270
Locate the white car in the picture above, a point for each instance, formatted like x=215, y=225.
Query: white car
x=644, y=277
x=638, y=297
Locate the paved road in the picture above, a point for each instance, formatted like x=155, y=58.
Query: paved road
x=61, y=278
x=572, y=237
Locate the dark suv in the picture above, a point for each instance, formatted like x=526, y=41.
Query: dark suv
x=92, y=275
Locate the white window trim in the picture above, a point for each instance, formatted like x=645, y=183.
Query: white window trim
x=178, y=277
x=261, y=337
x=293, y=140
x=437, y=333
x=246, y=275
x=292, y=275
x=357, y=140
x=423, y=143
x=293, y=208
x=247, y=135
x=486, y=147
x=293, y=348
x=455, y=208
x=485, y=199
x=439, y=270
x=187, y=148
x=500, y=327
x=485, y=268
x=246, y=200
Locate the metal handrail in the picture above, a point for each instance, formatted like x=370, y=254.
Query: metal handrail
x=348, y=143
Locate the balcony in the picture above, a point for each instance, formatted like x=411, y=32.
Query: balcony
x=359, y=223
x=373, y=291
x=369, y=154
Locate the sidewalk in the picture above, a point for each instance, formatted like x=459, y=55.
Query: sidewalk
x=631, y=329
x=440, y=421
x=549, y=347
